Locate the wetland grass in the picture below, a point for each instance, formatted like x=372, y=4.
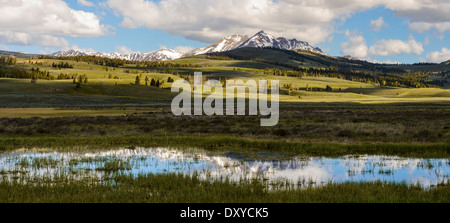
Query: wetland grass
x=177, y=188
x=235, y=144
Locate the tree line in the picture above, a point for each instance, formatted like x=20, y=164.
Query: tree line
x=365, y=72
x=110, y=62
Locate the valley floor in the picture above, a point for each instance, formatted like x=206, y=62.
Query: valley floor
x=353, y=119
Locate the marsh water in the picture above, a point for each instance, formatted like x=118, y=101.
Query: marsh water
x=296, y=171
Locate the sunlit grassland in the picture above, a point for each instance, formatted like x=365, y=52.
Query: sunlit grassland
x=353, y=119
x=96, y=74
x=100, y=83
x=14, y=90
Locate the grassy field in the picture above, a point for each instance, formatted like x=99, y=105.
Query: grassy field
x=111, y=111
x=58, y=112
x=173, y=188
x=319, y=129
x=354, y=114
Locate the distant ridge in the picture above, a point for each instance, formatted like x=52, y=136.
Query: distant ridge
x=17, y=54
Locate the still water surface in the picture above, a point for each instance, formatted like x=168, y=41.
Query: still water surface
x=298, y=171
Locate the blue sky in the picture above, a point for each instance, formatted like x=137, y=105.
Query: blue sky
x=405, y=31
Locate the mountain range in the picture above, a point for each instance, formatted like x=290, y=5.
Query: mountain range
x=259, y=40
x=160, y=55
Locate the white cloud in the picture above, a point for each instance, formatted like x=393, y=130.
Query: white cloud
x=22, y=38
x=312, y=21
x=377, y=24
x=425, y=15
x=383, y=62
x=357, y=46
x=422, y=27
x=75, y=47
x=438, y=56
x=86, y=3
x=211, y=20
x=183, y=49
x=395, y=47
x=123, y=50
x=45, y=23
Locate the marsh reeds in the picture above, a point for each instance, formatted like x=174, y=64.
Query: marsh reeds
x=173, y=188
x=235, y=144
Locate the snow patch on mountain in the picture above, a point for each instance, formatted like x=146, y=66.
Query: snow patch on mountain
x=262, y=39
x=160, y=55
x=259, y=40
x=226, y=44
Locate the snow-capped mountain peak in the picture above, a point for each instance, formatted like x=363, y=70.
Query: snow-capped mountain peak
x=226, y=44
x=160, y=55
x=262, y=39
x=259, y=40
x=68, y=53
x=164, y=54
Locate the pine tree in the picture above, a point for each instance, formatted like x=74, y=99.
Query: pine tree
x=33, y=79
x=138, y=80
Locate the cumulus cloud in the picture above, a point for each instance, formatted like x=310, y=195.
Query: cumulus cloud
x=438, y=56
x=75, y=47
x=21, y=38
x=383, y=62
x=312, y=21
x=395, y=47
x=377, y=24
x=183, y=49
x=45, y=23
x=211, y=20
x=356, y=46
x=86, y=3
x=427, y=15
x=123, y=50
x=422, y=27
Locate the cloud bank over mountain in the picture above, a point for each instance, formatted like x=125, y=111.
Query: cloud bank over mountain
x=311, y=21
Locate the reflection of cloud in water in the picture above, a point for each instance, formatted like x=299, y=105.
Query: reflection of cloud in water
x=318, y=170
x=314, y=173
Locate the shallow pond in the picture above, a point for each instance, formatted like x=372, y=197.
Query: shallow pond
x=23, y=165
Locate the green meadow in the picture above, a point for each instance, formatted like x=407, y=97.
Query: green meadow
x=321, y=114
